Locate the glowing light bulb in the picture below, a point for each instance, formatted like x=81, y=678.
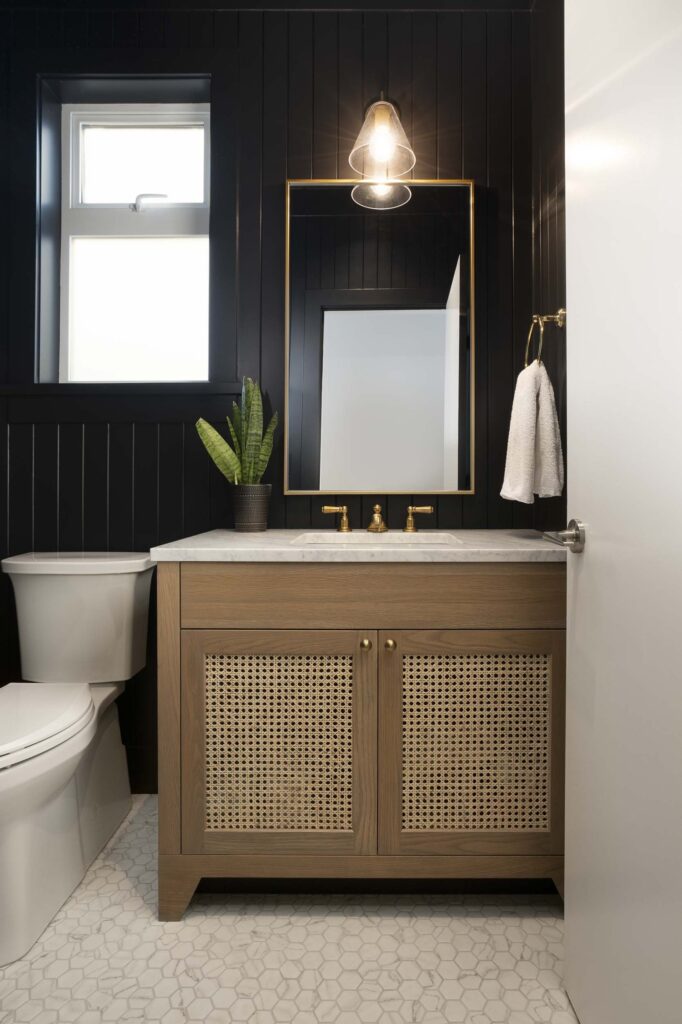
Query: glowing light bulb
x=382, y=145
x=380, y=190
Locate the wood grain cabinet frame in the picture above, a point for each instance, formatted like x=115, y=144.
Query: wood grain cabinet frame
x=362, y=721
x=279, y=741
x=471, y=742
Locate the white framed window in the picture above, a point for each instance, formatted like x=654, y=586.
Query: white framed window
x=134, y=242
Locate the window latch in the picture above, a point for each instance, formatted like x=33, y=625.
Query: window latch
x=147, y=200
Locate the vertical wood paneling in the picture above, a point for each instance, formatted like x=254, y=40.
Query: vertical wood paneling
x=374, y=56
x=20, y=497
x=176, y=28
x=475, y=165
x=223, y=307
x=5, y=219
x=50, y=28
x=225, y=29
x=249, y=237
x=351, y=108
x=70, y=486
x=292, y=108
x=351, y=97
x=449, y=90
x=449, y=155
x=201, y=29
x=145, y=485
x=499, y=262
x=549, y=257
x=121, y=487
x=522, y=264
x=171, y=478
x=101, y=29
x=326, y=96
x=96, y=486
x=196, y=494
x=125, y=28
x=24, y=28
x=46, y=487
x=151, y=28
x=300, y=159
x=424, y=70
x=275, y=102
x=75, y=28
x=423, y=122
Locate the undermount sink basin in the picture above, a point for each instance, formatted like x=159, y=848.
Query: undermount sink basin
x=362, y=539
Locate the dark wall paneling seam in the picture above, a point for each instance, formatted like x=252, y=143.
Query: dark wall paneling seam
x=549, y=257
x=123, y=468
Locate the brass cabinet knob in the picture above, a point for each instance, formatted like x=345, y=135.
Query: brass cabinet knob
x=366, y=644
x=390, y=645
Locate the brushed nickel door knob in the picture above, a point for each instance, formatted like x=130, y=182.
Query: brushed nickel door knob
x=390, y=645
x=366, y=644
x=572, y=538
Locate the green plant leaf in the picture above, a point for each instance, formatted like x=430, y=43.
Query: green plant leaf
x=237, y=420
x=266, y=447
x=220, y=451
x=247, y=387
x=253, y=433
x=235, y=438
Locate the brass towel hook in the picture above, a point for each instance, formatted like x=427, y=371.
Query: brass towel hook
x=558, y=319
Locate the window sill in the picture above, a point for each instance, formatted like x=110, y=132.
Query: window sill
x=202, y=387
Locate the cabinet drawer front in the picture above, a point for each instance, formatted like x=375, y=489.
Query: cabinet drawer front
x=471, y=754
x=371, y=596
x=279, y=742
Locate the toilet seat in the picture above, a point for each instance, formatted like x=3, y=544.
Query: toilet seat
x=35, y=718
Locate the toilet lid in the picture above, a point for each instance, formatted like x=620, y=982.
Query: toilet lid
x=38, y=716
x=77, y=563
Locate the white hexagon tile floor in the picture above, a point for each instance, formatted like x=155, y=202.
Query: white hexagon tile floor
x=348, y=959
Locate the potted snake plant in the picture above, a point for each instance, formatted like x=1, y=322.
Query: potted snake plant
x=244, y=464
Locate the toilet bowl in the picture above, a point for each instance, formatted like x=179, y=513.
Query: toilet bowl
x=63, y=775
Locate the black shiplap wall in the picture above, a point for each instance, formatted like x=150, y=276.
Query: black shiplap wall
x=95, y=469
x=549, y=215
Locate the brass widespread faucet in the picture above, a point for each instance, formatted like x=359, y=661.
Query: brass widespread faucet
x=409, y=526
x=377, y=524
x=342, y=510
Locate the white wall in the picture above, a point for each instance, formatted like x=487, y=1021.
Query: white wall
x=382, y=400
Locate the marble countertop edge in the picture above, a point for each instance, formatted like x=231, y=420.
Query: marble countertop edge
x=279, y=546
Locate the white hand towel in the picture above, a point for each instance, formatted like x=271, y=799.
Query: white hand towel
x=549, y=457
x=535, y=462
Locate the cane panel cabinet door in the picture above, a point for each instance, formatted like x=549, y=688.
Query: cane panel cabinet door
x=471, y=728
x=279, y=733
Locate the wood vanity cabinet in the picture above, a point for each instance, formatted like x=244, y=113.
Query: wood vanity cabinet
x=359, y=720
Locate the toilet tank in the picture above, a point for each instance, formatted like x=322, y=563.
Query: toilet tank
x=82, y=616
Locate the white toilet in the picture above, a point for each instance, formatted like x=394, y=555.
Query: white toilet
x=64, y=785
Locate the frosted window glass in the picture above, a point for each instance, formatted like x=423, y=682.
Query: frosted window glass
x=119, y=163
x=138, y=309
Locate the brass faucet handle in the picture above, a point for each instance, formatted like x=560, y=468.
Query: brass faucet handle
x=377, y=524
x=341, y=510
x=413, y=510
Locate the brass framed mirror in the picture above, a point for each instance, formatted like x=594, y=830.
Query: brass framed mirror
x=380, y=341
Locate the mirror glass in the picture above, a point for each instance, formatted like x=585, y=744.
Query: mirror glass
x=379, y=341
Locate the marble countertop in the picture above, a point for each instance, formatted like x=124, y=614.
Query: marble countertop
x=359, y=546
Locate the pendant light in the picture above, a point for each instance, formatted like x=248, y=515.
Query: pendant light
x=381, y=150
x=381, y=154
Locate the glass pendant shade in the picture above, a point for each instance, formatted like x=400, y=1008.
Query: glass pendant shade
x=381, y=149
x=381, y=195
